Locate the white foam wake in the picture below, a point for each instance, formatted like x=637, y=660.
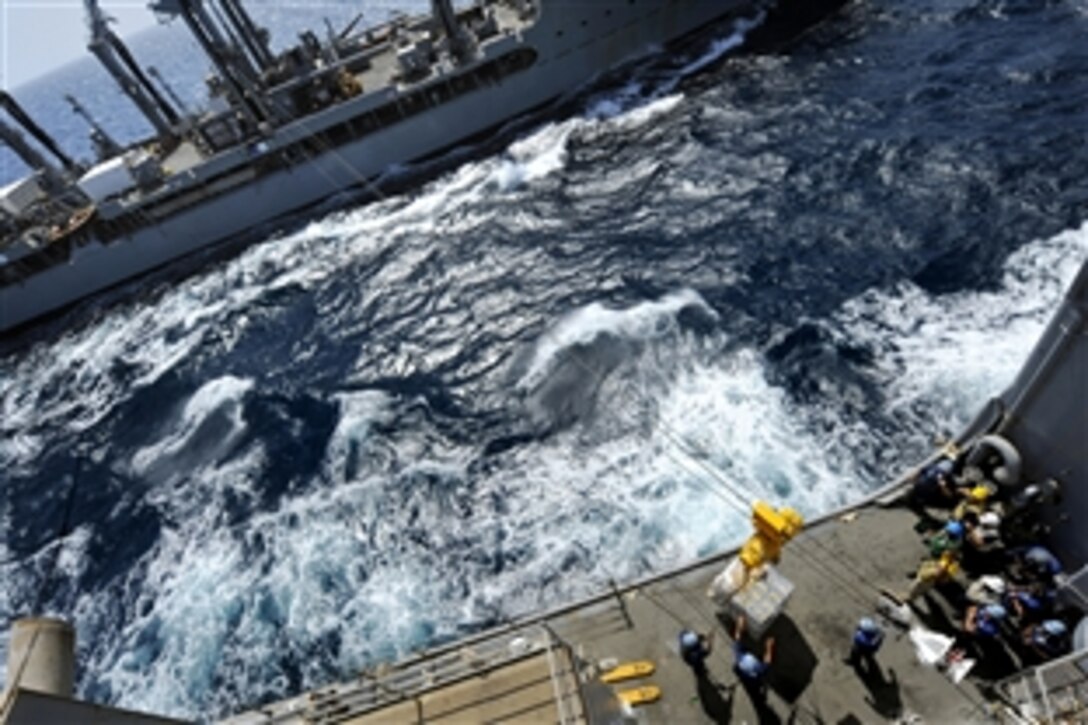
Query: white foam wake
x=406, y=544
x=642, y=322
x=941, y=357
x=184, y=442
x=358, y=412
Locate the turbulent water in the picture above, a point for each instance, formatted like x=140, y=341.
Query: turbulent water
x=779, y=272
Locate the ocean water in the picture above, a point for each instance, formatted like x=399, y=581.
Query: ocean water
x=394, y=423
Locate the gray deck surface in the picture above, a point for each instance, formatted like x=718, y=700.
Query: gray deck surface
x=809, y=681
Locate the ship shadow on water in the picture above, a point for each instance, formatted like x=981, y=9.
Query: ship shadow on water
x=787, y=22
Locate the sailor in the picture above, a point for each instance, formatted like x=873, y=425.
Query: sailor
x=1048, y=639
x=867, y=640
x=989, y=589
x=975, y=500
x=694, y=649
x=1031, y=497
x=985, y=535
x=933, y=487
x=1030, y=602
x=932, y=572
x=1042, y=563
x=950, y=538
x=1023, y=520
x=751, y=670
x=1035, y=564
x=982, y=552
x=985, y=621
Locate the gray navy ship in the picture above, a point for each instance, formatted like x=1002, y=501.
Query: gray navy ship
x=285, y=131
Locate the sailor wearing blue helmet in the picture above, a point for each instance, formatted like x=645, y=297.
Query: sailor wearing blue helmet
x=1048, y=639
x=1042, y=562
x=751, y=670
x=934, y=485
x=867, y=640
x=694, y=649
x=985, y=621
x=949, y=538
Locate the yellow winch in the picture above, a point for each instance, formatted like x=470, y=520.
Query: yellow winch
x=773, y=529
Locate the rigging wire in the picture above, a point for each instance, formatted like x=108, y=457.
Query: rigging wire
x=715, y=475
x=737, y=499
x=796, y=545
x=726, y=491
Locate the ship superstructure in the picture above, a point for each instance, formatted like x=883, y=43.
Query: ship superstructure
x=284, y=131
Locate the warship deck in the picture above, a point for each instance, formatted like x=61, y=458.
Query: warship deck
x=382, y=69
x=529, y=672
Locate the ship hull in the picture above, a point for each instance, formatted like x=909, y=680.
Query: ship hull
x=607, y=34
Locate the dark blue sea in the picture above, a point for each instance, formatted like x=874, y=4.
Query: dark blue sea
x=779, y=270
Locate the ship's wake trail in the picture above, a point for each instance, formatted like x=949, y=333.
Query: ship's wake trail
x=941, y=357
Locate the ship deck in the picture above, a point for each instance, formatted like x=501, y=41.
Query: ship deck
x=384, y=69
x=530, y=672
x=836, y=568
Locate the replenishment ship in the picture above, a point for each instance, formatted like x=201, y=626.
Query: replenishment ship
x=616, y=657
x=285, y=131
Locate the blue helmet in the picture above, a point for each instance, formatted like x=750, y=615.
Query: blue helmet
x=867, y=625
x=1042, y=560
x=1055, y=627
x=749, y=665
x=995, y=611
x=954, y=529
x=689, y=639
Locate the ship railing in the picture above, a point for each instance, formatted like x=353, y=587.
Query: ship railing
x=410, y=682
x=439, y=661
x=569, y=701
x=1074, y=589
x=1053, y=692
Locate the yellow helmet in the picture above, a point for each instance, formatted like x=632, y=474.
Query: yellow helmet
x=949, y=563
x=979, y=494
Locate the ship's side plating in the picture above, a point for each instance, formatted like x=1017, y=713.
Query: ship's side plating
x=566, y=46
x=1045, y=415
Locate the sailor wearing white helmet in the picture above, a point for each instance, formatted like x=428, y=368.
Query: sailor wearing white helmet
x=988, y=589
